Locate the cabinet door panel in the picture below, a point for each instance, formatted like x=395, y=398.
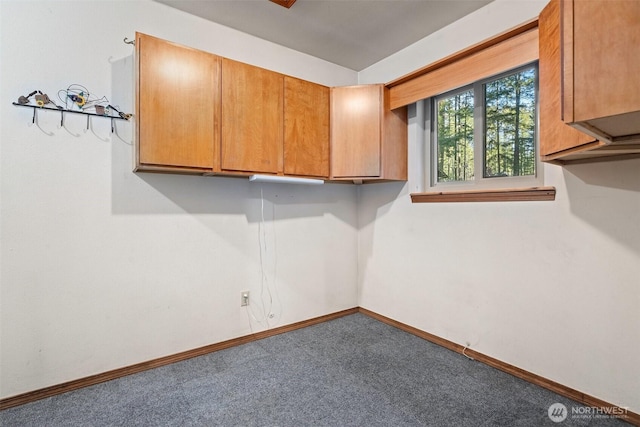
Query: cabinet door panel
x=252, y=118
x=555, y=135
x=306, y=128
x=394, y=150
x=355, y=131
x=606, y=36
x=178, y=104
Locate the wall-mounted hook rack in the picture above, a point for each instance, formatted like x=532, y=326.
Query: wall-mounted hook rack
x=62, y=111
x=132, y=42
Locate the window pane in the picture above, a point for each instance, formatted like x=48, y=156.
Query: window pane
x=510, y=123
x=455, y=137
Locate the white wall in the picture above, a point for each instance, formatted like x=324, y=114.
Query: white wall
x=550, y=287
x=495, y=18
x=102, y=268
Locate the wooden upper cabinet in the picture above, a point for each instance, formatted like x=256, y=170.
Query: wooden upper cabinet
x=557, y=140
x=306, y=128
x=368, y=140
x=600, y=74
x=200, y=113
x=252, y=119
x=177, y=106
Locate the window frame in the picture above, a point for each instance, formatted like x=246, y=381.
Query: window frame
x=504, y=51
x=480, y=181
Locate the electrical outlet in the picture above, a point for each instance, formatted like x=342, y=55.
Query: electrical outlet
x=244, y=298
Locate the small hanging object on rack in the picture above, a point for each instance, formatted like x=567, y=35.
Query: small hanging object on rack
x=23, y=100
x=125, y=116
x=42, y=99
x=78, y=96
x=77, y=99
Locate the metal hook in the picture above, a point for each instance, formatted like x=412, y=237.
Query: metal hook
x=133, y=42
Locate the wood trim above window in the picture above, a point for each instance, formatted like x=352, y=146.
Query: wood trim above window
x=508, y=50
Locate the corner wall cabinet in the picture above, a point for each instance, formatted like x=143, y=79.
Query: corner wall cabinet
x=586, y=56
x=368, y=139
x=199, y=113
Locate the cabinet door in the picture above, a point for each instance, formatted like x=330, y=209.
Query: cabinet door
x=252, y=118
x=601, y=64
x=394, y=149
x=355, y=131
x=306, y=128
x=178, y=105
x=555, y=135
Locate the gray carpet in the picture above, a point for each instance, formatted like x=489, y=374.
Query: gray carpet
x=353, y=371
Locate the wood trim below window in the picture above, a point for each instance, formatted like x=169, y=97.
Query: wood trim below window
x=489, y=195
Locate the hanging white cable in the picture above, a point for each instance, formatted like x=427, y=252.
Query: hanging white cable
x=249, y=316
x=264, y=283
x=250, y=307
x=267, y=301
x=272, y=313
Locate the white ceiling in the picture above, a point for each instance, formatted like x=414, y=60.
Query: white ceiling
x=351, y=33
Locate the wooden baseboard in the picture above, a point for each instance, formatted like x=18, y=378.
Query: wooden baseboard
x=585, y=399
x=43, y=393
x=578, y=396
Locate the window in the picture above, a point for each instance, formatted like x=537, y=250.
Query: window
x=484, y=134
x=486, y=149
